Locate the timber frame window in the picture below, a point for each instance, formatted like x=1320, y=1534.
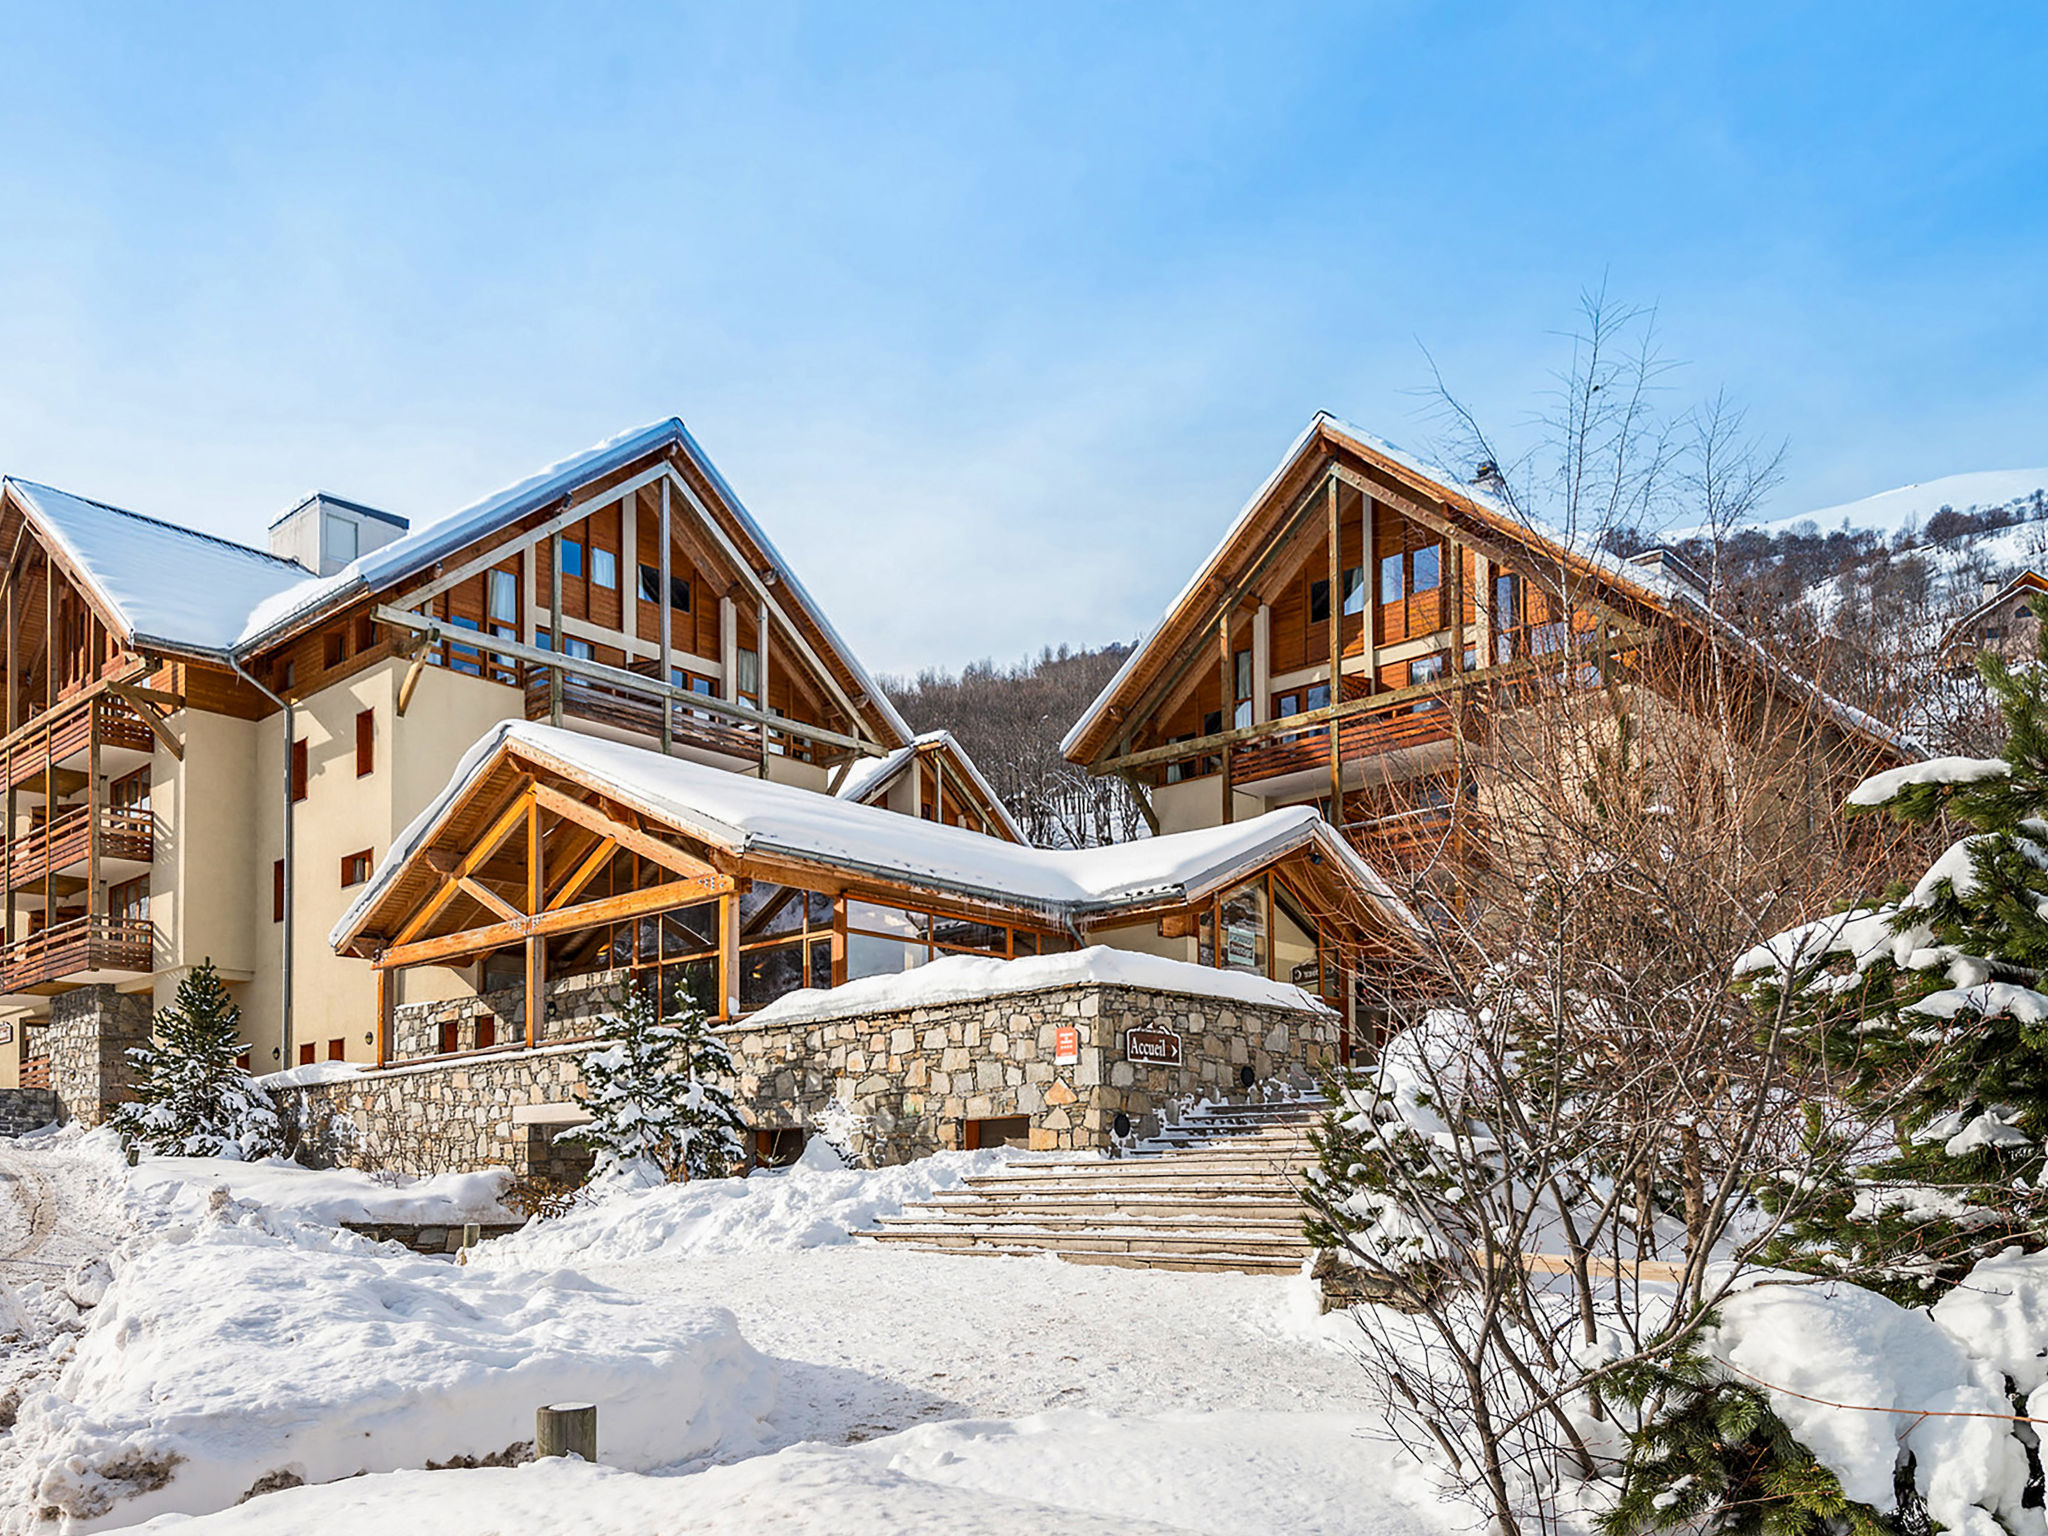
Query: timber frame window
x=356, y=867
x=128, y=902
x=299, y=773
x=277, y=890
x=884, y=940
x=785, y=936
x=1267, y=931
x=366, y=743
x=678, y=588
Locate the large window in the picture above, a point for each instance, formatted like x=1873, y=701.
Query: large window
x=883, y=940
x=678, y=588
x=785, y=943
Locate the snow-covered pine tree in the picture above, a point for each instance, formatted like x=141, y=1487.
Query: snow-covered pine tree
x=1930, y=1008
x=192, y=1097
x=654, y=1094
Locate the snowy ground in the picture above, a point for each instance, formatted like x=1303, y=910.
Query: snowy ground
x=757, y=1369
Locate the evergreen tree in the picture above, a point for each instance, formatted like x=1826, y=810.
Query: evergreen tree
x=654, y=1094
x=1930, y=1008
x=192, y=1097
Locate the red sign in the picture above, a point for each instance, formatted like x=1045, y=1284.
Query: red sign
x=1066, y=1045
x=1160, y=1047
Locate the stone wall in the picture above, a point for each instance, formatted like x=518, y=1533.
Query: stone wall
x=92, y=1029
x=26, y=1109
x=574, y=1006
x=493, y=1111
x=920, y=1074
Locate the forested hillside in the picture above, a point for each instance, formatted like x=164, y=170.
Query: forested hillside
x=1011, y=719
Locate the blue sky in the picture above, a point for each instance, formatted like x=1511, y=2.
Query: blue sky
x=993, y=314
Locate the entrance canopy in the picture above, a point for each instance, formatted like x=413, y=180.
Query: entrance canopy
x=551, y=853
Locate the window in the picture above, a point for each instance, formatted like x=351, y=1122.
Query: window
x=785, y=942
x=1426, y=564
x=1393, y=578
x=1507, y=615
x=306, y=1053
x=342, y=539
x=298, y=770
x=571, y=646
x=572, y=558
x=336, y=647
x=678, y=588
x=1354, y=589
x=604, y=567
x=1241, y=680
x=128, y=902
x=750, y=675
x=465, y=658
x=286, y=673
x=366, y=633
x=503, y=597
x=451, y=1037
x=130, y=792
x=1244, y=928
x=356, y=867
x=277, y=891
x=337, y=1050
x=366, y=742
x=1319, y=602
x=486, y=1031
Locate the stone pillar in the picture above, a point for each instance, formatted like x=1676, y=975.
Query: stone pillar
x=92, y=1029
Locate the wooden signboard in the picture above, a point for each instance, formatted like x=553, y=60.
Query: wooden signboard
x=1066, y=1046
x=1155, y=1047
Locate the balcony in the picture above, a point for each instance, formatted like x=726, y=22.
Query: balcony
x=620, y=709
x=81, y=952
x=1360, y=736
x=62, y=738
x=126, y=837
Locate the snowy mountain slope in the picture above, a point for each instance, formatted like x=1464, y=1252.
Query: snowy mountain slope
x=1888, y=512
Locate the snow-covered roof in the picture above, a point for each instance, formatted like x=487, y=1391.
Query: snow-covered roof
x=1645, y=583
x=2027, y=581
x=166, y=584
x=746, y=816
x=966, y=978
x=191, y=591
x=871, y=775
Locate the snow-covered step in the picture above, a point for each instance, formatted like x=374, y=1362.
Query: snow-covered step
x=1219, y=1190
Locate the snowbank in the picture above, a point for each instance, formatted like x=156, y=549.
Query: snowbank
x=248, y=1347
x=311, y=1072
x=1858, y=1379
x=965, y=978
x=801, y=1207
x=1053, y=1474
x=334, y=1195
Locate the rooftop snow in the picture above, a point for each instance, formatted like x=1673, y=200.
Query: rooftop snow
x=167, y=583
x=871, y=773
x=755, y=816
x=968, y=978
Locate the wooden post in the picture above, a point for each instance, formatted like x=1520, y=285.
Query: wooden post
x=536, y=945
x=555, y=639
x=1229, y=695
x=95, y=906
x=1336, y=626
x=49, y=757
x=386, y=984
x=729, y=954
x=667, y=705
x=761, y=673
x=566, y=1429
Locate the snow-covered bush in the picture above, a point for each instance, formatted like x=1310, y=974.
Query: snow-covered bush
x=192, y=1097
x=844, y=1129
x=654, y=1093
x=1924, y=1008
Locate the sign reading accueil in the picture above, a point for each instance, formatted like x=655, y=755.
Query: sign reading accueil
x=1159, y=1047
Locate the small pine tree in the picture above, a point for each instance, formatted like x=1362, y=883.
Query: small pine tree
x=653, y=1092
x=1712, y=1456
x=192, y=1097
x=1929, y=1008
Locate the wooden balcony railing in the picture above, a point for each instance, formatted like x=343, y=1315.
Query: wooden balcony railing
x=1410, y=842
x=35, y=1072
x=64, y=844
x=67, y=730
x=603, y=704
x=1359, y=736
x=73, y=950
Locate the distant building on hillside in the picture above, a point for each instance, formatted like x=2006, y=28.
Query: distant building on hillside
x=2007, y=622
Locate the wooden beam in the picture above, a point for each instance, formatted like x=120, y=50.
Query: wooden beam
x=1228, y=714
x=503, y=827
x=387, y=982
x=668, y=725
x=571, y=513
x=1334, y=613
x=759, y=588
x=536, y=892
x=139, y=700
x=610, y=909
x=484, y=896
x=569, y=808
x=557, y=642
x=601, y=854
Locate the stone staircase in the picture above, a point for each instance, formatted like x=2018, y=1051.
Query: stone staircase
x=1217, y=1191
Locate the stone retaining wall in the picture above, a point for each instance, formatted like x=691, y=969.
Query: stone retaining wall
x=26, y=1109
x=920, y=1074
x=499, y=1110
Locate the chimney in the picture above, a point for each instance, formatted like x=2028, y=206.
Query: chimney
x=323, y=533
x=1991, y=589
